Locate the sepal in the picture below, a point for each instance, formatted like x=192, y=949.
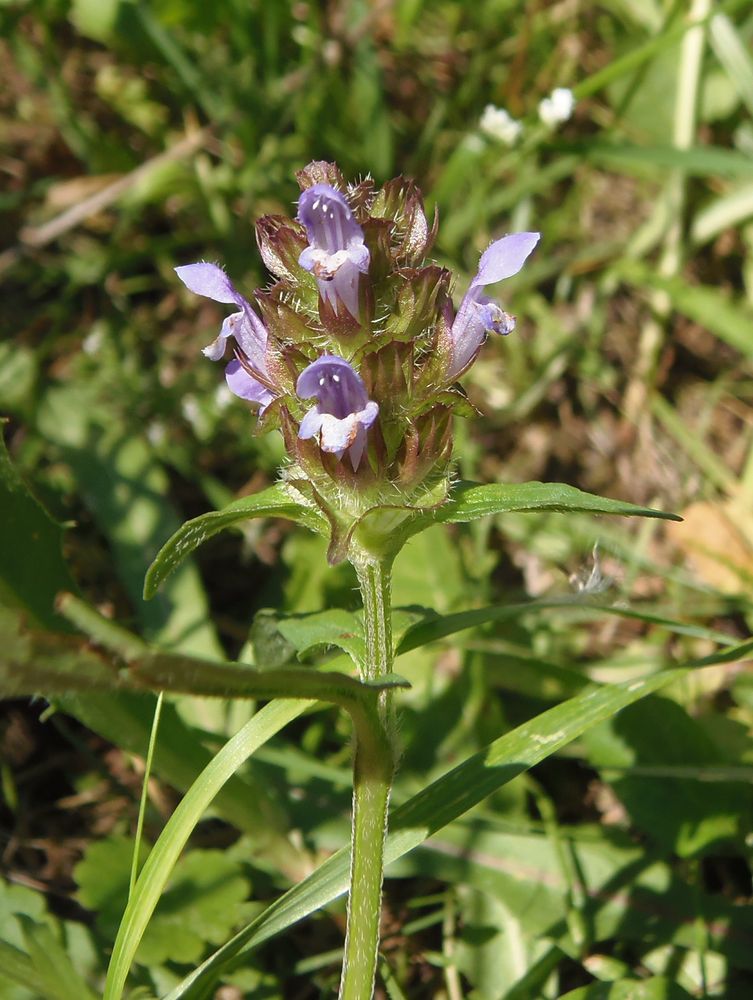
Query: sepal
x=341, y=324
x=388, y=372
x=437, y=355
x=377, y=234
x=285, y=322
x=419, y=299
x=427, y=446
x=321, y=172
x=455, y=400
x=412, y=238
x=361, y=197
x=280, y=245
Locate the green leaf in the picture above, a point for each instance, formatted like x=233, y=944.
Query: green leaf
x=734, y=55
x=625, y=891
x=657, y=988
x=190, y=675
x=56, y=663
x=491, y=949
x=469, y=501
x=443, y=801
x=682, y=813
x=434, y=627
x=95, y=20
x=17, y=967
x=201, y=903
x=335, y=627
x=37, y=951
x=272, y=502
x=32, y=570
x=18, y=372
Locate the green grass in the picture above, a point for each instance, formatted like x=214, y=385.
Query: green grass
x=623, y=855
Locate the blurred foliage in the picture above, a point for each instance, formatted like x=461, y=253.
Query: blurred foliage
x=139, y=136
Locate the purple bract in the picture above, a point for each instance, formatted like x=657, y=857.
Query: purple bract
x=343, y=411
x=247, y=375
x=336, y=254
x=479, y=314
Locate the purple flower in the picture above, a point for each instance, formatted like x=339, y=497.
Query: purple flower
x=343, y=411
x=336, y=254
x=477, y=313
x=247, y=375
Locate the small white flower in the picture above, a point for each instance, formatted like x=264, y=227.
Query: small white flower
x=557, y=108
x=496, y=123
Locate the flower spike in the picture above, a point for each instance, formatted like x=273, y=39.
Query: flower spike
x=478, y=313
x=362, y=390
x=343, y=411
x=336, y=254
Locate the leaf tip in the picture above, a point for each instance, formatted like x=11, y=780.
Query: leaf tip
x=152, y=583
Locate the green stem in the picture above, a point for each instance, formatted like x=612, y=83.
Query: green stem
x=375, y=579
x=373, y=769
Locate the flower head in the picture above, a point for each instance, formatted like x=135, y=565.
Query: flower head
x=336, y=254
x=477, y=313
x=247, y=375
x=498, y=124
x=343, y=411
x=557, y=108
x=382, y=301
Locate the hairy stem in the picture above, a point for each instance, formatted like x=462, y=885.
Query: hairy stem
x=373, y=769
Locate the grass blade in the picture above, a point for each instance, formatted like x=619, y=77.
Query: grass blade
x=160, y=863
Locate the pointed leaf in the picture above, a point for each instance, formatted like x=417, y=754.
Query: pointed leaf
x=433, y=627
x=273, y=502
x=190, y=675
x=469, y=501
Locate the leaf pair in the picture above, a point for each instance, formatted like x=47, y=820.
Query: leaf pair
x=466, y=502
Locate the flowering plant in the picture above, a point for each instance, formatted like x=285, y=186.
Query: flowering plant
x=354, y=353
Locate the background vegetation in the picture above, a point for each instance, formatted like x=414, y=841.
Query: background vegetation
x=138, y=136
